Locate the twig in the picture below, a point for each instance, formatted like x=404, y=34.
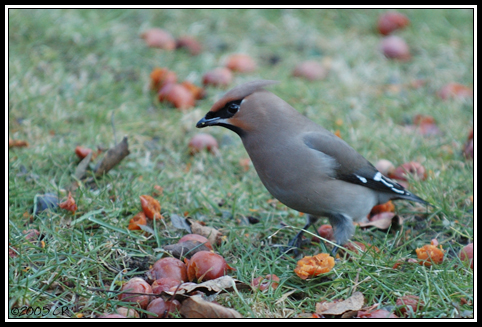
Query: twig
x=113, y=157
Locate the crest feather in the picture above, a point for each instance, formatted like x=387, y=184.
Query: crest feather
x=240, y=92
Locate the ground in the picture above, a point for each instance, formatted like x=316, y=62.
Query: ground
x=80, y=77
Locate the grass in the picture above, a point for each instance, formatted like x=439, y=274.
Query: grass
x=81, y=77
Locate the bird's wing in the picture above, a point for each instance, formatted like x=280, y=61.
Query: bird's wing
x=352, y=167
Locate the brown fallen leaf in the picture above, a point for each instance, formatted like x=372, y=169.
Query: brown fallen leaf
x=349, y=314
x=218, y=285
x=185, y=249
x=113, y=157
x=383, y=221
x=197, y=307
x=353, y=303
x=212, y=234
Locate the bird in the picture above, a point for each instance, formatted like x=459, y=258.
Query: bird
x=302, y=164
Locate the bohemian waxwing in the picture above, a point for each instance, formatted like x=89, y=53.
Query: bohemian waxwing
x=302, y=164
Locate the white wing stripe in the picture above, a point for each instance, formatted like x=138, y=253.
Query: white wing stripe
x=363, y=179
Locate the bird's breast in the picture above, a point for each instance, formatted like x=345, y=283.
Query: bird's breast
x=286, y=172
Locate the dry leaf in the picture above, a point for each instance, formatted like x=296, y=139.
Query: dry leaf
x=353, y=303
x=197, y=307
x=218, y=285
x=212, y=234
x=383, y=221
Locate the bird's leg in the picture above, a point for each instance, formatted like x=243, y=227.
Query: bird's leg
x=295, y=243
x=334, y=251
x=343, y=230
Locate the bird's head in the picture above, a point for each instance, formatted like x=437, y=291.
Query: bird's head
x=234, y=110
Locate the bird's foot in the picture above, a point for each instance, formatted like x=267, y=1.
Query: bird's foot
x=294, y=246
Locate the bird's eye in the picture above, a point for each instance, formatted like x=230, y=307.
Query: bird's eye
x=233, y=108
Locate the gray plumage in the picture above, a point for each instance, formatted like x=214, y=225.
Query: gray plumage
x=300, y=163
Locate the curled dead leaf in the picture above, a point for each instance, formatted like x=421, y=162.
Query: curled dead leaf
x=383, y=221
x=197, y=307
x=213, y=286
x=353, y=303
x=212, y=234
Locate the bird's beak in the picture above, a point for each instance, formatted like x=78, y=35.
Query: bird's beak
x=207, y=122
